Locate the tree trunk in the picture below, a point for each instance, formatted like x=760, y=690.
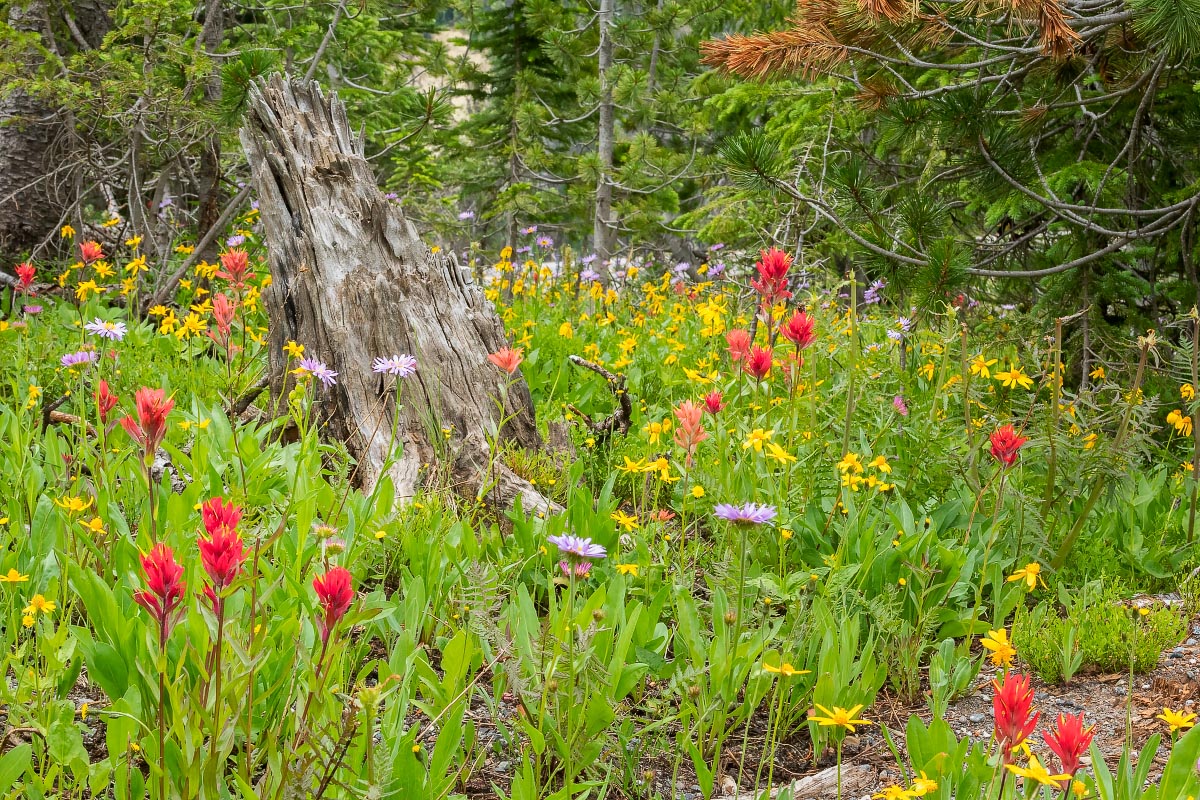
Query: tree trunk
x=29, y=206
x=211, y=36
x=602, y=224
x=352, y=282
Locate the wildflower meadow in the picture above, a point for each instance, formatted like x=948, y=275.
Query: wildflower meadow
x=599, y=400
x=824, y=501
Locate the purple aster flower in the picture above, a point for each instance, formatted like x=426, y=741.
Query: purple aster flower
x=529, y=230
x=318, y=370
x=716, y=269
x=106, y=330
x=391, y=196
x=716, y=247
x=545, y=241
x=523, y=250
x=588, y=259
x=871, y=295
x=681, y=267
x=31, y=310
x=589, y=276
x=578, y=547
x=166, y=201
x=747, y=514
x=905, y=324
x=466, y=215
x=895, y=336
x=900, y=405
x=71, y=360
x=401, y=366
x=254, y=205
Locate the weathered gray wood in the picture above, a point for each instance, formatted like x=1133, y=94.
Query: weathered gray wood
x=857, y=781
x=352, y=281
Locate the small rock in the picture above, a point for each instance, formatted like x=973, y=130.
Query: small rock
x=977, y=718
x=1119, y=690
x=1145, y=686
x=503, y=766
x=1175, y=654
x=1191, y=642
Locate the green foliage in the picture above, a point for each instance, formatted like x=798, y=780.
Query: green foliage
x=1098, y=633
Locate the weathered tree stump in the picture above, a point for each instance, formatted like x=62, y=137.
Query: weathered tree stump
x=352, y=281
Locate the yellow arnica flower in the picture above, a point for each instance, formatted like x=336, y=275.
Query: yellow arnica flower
x=893, y=792
x=1034, y=771
x=785, y=669
x=1002, y=649
x=293, y=350
x=779, y=454
x=1030, y=573
x=923, y=786
x=13, y=576
x=1097, y=374
x=1182, y=424
x=1187, y=392
x=839, y=717
x=628, y=569
x=881, y=463
x=1013, y=378
x=633, y=466
x=40, y=603
x=1177, y=720
x=850, y=463
x=980, y=366
x=73, y=504
x=757, y=438
x=624, y=520
x=94, y=525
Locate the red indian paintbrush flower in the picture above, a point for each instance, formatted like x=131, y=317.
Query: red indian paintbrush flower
x=224, y=312
x=1006, y=444
x=222, y=553
x=335, y=595
x=799, y=330
x=739, y=344
x=106, y=401
x=1012, y=702
x=507, y=359
x=90, y=251
x=236, y=267
x=151, y=424
x=1069, y=741
x=758, y=363
x=690, y=432
x=163, y=595
x=25, y=274
x=772, y=276
x=218, y=514
x=714, y=402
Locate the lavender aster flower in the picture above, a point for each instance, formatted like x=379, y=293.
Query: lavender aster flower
x=318, y=370
x=716, y=247
x=895, y=336
x=545, y=241
x=391, y=196
x=588, y=259
x=466, y=215
x=523, y=250
x=31, y=310
x=905, y=324
x=529, y=230
x=871, y=295
x=747, y=514
x=106, y=330
x=401, y=366
x=237, y=240
x=71, y=360
x=589, y=276
x=718, y=268
x=578, y=547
